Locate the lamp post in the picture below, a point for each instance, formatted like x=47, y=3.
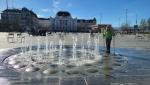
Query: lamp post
x=126, y=26
x=100, y=18
x=7, y=3
x=136, y=26
x=119, y=22
x=7, y=16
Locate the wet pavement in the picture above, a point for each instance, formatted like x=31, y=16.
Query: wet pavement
x=136, y=72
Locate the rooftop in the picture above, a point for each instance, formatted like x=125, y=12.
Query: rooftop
x=43, y=18
x=14, y=10
x=63, y=13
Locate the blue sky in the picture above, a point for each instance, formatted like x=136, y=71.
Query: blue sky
x=108, y=11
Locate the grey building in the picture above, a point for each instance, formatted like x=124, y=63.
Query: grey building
x=84, y=25
x=0, y=25
x=19, y=19
x=44, y=24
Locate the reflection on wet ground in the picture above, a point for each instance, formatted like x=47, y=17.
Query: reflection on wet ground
x=136, y=72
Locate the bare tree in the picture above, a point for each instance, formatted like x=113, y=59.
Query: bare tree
x=125, y=27
x=148, y=23
x=143, y=24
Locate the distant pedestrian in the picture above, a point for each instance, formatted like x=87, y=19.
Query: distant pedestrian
x=107, y=34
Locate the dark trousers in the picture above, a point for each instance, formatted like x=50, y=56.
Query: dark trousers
x=108, y=43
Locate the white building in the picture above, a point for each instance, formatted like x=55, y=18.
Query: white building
x=63, y=22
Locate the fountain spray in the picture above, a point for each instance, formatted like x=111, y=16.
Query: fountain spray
x=46, y=47
x=89, y=45
x=74, y=47
x=30, y=47
x=60, y=51
x=114, y=44
x=38, y=46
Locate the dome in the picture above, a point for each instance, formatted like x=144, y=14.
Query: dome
x=63, y=13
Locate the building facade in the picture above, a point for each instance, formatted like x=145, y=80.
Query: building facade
x=26, y=20
x=44, y=24
x=85, y=25
x=100, y=27
x=19, y=19
x=63, y=22
x=0, y=24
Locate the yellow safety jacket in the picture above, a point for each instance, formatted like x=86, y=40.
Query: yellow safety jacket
x=107, y=34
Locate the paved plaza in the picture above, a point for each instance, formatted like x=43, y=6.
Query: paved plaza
x=136, y=48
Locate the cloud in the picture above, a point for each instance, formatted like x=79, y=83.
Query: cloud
x=55, y=6
x=39, y=15
x=45, y=10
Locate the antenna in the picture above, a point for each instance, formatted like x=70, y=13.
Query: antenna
x=136, y=19
x=126, y=16
x=12, y=3
x=119, y=22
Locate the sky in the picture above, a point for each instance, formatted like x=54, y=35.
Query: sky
x=105, y=11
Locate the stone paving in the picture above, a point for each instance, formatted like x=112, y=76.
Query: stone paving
x=136, y=72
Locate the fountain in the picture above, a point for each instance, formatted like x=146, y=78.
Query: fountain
x=57, y=59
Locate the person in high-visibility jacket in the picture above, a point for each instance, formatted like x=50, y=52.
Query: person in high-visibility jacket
x=107, y=34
